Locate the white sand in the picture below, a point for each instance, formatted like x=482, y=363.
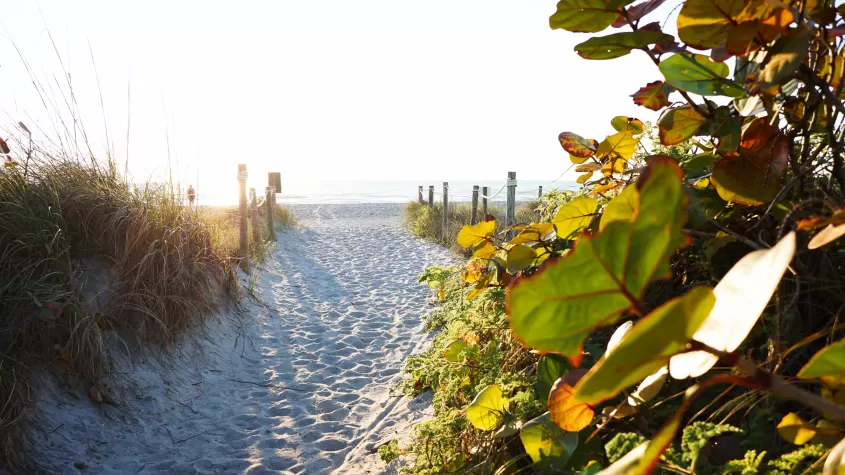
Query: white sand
x=296, y=383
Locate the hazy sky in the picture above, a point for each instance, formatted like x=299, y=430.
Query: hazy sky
x=334, y=89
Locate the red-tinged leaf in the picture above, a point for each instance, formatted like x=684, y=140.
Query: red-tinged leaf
x=578, y=147
x=619, y=44
x=4, y=147
x=637, y=11
x=568, y=413
x=754, y=176
x=652, y=96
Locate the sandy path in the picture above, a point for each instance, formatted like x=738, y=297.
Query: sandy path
x=301, y=384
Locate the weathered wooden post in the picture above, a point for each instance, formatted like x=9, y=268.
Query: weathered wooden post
x=242, y=177
x=431, y=195
x=539, y=203
x=510, y=213
x=253, y=207
x=474, y=215
x=269, y=201
x=420, y=198
x=540, y=193
x=484, y=192
x=445, y=211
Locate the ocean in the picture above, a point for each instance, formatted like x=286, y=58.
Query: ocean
x=334, y=192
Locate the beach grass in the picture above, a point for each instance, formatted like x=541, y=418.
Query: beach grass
x=426, y=221
x=84, y=253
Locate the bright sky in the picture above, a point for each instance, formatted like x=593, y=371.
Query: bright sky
x=319, y=89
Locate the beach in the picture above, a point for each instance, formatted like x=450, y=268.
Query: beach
x=297, y=379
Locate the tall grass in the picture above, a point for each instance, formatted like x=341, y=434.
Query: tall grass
x=426, y=221
x=82, y=253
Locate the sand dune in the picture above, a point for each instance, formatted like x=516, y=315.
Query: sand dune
x=296, y=382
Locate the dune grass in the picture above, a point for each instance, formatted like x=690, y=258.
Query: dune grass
x=426, y=221
x=83, y=253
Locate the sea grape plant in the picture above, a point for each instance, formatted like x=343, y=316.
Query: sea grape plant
x=753, y=89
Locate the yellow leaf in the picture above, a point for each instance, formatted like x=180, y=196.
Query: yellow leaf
x=474, y=235
x=588, y=167
x=826, y=236
x=484, y=251
x=533, y=233
x=583, y=178
x=574, y=216
x=614, y=165
x=793, y=429
x=568, y=413
x=603, y=188
x=621, y=144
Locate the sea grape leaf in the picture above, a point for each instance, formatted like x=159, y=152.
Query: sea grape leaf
x=487, y=410
x=754, y=176
x=453, y=350
x=829, y=361
x=795, y=430
x=574, y=216
x=678, y=124
x=621, y=208
x=579, y=148
x=588, y=167
x=583, y=178
x=586, y=16
x=648, y=346
x=649, y=387
x=549, y=369
x=627, y=124
x=520, y=257
x=619, y=44
x=613, y=166
x=783, y=61
x=826, y=236
x=698, y=162
x=617, y=336
x=699, y=74
x=566, y=411
x=741, y=297
x=555, y=309
x=544, y=440
x=4, y=147
x=749, y=36
x=476, y=234
x=620, y=144
x=653, y=96
x=484, y=250
x=534, y=232
x=599, y=189
x=704, y=24
x=727, y=129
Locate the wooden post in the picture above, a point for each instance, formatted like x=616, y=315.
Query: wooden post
x=242, y=176
x=270, y=202
x=474, y=215
x=421, y=195
x=510, y=214
x=540, y=193
x=484, y=192
x=253, y=207
x=539, y=203
x=445, y=211
x=431, y=195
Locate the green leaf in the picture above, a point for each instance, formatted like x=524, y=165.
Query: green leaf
x=698, y=162
x=574, y=216
x=487, y=410
x=619, y=44
x=549, y=369
x=586, y=16
x=453, y=351
x=699, y=74
x=520, y=257
x=543, y=440
x=621, y=208
x=555, y=309
x=783, y=59
x=829, y=361
x=654, y=95
x=727, y=130
x=678, y=125
x=647, y=347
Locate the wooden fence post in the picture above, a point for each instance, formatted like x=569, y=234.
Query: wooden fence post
x=484, y=192
x=540, y=193
x=510, y=214
x=445, y=211
x=474, y=216
x=242, y=177
x=269, y=202
x=421, y=195
x=253, y=207
x=431, y=195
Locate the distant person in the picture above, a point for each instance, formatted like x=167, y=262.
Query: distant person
x=191, y=194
